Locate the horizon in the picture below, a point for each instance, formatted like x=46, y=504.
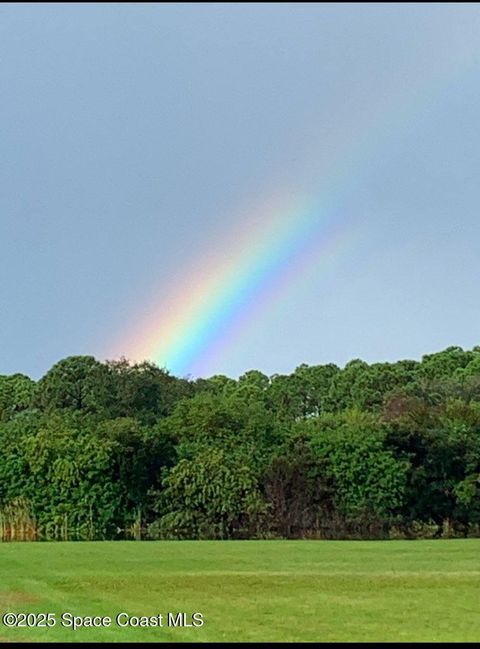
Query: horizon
x=475, y=348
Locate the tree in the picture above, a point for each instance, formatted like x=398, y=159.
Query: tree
x=142, y=390
x=213, y=496
x=16, y=392
x=369, y=482
x=75, y=383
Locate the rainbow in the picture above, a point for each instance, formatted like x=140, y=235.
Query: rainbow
x=278, y=240
x=220, y=296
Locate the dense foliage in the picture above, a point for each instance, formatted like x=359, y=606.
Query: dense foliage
x=114, y=450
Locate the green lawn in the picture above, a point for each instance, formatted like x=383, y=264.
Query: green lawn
x=250, y=590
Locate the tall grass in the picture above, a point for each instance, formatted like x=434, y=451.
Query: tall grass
x=17, y=523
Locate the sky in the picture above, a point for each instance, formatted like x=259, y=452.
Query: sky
x=140, y=143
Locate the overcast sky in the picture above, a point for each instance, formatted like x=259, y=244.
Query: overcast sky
x=132, y=136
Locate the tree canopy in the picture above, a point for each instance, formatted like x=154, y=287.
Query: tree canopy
x=104, y=450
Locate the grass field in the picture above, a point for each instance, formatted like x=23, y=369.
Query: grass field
x=249, y=590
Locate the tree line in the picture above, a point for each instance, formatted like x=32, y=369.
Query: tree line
x=111, y=450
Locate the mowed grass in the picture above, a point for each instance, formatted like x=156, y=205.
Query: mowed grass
x=249, y=590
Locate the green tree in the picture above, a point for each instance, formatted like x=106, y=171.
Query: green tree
x=16, y=393
x=369, y=482
x=75, y=383
x=213, y=496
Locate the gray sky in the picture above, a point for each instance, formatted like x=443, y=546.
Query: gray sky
x=132, y=136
